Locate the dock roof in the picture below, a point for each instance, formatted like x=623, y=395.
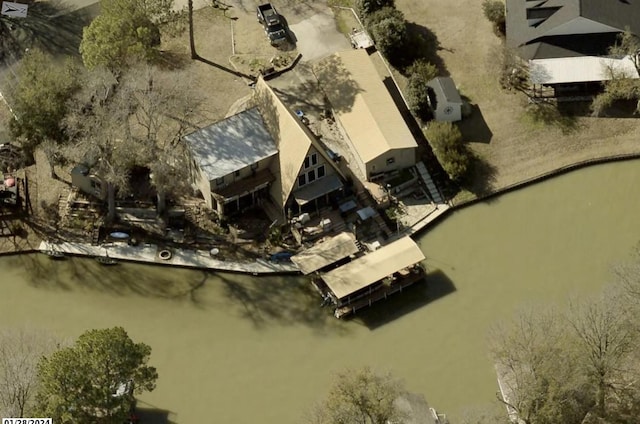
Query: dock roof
x=373, y=267
x=325, y=253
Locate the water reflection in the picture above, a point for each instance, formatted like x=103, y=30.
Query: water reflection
x=260, y=349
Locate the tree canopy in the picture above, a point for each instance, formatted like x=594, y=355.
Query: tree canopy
x=95, y=378
x=388, y=29
x=367, y=7
x=620, y=86
x=40, y=98
x=449, y=148
x=360, y=397
x=125, y=32
x=420, y=73
x=575, y=367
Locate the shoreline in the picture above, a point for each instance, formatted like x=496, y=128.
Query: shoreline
x=264, y=267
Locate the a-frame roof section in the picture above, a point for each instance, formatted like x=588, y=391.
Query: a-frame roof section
x=363, y=104
x=293, y=140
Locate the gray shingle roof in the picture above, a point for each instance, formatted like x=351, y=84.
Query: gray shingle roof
x=539, y=23
x=231, y=144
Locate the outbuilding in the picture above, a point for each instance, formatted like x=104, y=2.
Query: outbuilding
x=445, y=99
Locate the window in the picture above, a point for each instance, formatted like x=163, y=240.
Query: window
x=320, y=171
x=302, y=180
x=391, y=161
x=219, y=181
x=311, y=176
x=237, y=173
x=306, y=162
x=314, y=159
x=254, y=166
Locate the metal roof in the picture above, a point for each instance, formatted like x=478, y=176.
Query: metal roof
x=325, y=253
x=363, y=104
x=580, y=69
x=373, y=267
x=231, y=144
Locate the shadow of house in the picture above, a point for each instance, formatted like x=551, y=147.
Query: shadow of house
x=474, y=128
x=263, y=157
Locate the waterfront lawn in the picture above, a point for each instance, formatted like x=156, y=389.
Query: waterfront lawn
x=512, y=145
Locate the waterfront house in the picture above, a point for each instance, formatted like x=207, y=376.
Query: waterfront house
x=378, y=137
x=266, y=157
x=232, y=159
x=566, y=42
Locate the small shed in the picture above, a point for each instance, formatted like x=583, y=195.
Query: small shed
x=445, y=99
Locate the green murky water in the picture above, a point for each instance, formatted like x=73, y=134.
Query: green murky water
x=235, y=349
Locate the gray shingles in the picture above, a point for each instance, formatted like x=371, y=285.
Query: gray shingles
x=231, y=144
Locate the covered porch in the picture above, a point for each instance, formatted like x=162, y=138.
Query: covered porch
x=243, y=194
x=313, y=197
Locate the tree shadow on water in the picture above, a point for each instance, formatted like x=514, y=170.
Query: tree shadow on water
x=279, y=300
x=123, y=279
x=436, y=286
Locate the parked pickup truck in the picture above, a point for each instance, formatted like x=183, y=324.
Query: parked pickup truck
x=270, y=19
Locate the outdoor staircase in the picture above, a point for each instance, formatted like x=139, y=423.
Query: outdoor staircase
x=64, y=203
x=434, y=193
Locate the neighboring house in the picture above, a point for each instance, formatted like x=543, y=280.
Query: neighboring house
x=444, y=99
x=375, y=130
x=263, y=156
x=88, y=182
x=233, y=159
x=565, y=40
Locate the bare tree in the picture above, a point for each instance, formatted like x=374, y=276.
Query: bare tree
x=138, y=120
x=537, y=370
x=607, y=342
x=20, y=352
x=163, y=109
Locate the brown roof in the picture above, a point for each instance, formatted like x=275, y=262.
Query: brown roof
x=363, y=104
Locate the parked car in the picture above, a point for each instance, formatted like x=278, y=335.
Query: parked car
x=271, y=21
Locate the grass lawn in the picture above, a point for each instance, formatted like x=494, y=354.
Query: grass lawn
x=513, y=144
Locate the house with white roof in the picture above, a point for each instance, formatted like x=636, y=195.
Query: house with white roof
x=371, y=123
x=264, y=156
x=567, y=42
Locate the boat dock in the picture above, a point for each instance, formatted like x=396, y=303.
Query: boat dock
x=372, y=277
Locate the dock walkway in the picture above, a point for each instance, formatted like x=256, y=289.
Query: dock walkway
x=150, y=253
